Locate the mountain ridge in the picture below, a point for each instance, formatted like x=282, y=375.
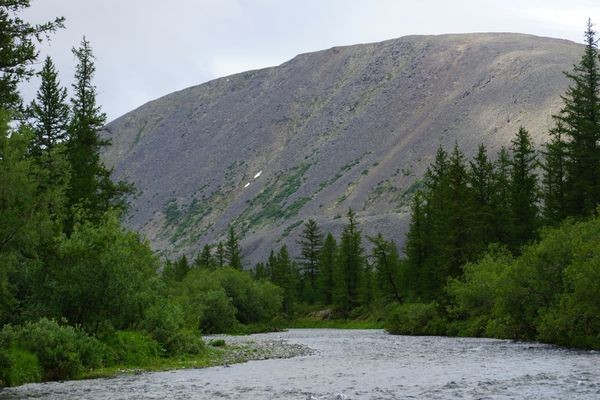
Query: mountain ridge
x=350, y=126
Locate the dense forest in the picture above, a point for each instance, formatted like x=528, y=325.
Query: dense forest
x=504, y=245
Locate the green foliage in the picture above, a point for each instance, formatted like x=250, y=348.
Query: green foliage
x=311, y=244
x=218, y=314
x=165, y=322
x=132, y=348
x=233, y=252
x=350, y=264
x=217, y=343
x=109, y=273
x=18, y=367
x=17, y=49
x=415, y=319
x=63, y=351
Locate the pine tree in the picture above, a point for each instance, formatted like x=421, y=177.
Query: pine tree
x=205, y=259
x=554, y=180
x=90, y=185
x=501, y=198
x=17, y=49
x=284, y=276
x=350, y=264
x=458, y=229
x=220, y=255
x=417, y=248
x=49, y=112
x=326, y=272
x=524, y=190
x=580, y=118
x=481, y=181
x=233, y=252
x=311, y=244
x=387, y=269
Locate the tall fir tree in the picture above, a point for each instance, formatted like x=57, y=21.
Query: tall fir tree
x=233, y=252
x=501, y=198
x=524, y=190
x=350, y=265
x=90, y=186
x=48, y=112
x=220, y=255
x=554, y=179
x=18, y=49
x=388, y=270
x=284, y=275
x=481, y=181
x=311, y=244
x=580, y=119
x=326, y=272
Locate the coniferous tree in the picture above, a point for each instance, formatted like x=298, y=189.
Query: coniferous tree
x=90, y=184
x=311, y=244
x=233, y=252
x=284, y=275
x=220, y=255
x=388, y=269
x=580, y=119
x=49, y=112
x=554, y=180
x=417, y=247
x=481, y=181
x=350, y=264
x=501, y=198
x=458, y=247
x=326, y=272
x=17, y=49
x=205, y=258
x=524, y=190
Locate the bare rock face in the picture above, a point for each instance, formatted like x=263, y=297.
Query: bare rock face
x=346, y=127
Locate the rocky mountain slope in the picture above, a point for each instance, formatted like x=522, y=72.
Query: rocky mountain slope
x=346, y=127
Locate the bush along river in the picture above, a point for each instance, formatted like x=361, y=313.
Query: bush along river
x=358, y=364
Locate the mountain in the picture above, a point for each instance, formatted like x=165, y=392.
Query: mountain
x=352, y=126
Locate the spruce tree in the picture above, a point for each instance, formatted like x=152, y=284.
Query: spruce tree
x=326, y=272
x=205, y=258
x=90, y=186
x=481, y=181
x=524, y=190
x=501, y=198
x=350, y=264
x=220, y=255
x=311, y=244
x=417, y=248
x=284, y=276
x=49, y=112
x=233, y=252
x=580, y=119
x=387, y=269
x=457, y=218
x=18, y=49
x=554, y=179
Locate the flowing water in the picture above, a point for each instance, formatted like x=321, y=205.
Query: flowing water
x=362, y=364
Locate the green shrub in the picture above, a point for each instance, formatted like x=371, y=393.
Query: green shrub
x=217, y=343
x=415, y=319
x=18, y=367
x=218, y=312
x=165, y=323
x=133, y=348
x=63, y=351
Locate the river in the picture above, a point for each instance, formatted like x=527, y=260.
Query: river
x=361, y=364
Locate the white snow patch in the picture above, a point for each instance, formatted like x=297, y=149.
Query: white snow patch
x=246, y=185
x=258, y=174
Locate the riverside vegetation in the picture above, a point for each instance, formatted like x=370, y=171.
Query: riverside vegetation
x=505, y=246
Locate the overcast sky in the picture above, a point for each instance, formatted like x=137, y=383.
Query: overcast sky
x=149, y=48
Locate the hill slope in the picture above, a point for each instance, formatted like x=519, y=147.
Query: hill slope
x=346, y=127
